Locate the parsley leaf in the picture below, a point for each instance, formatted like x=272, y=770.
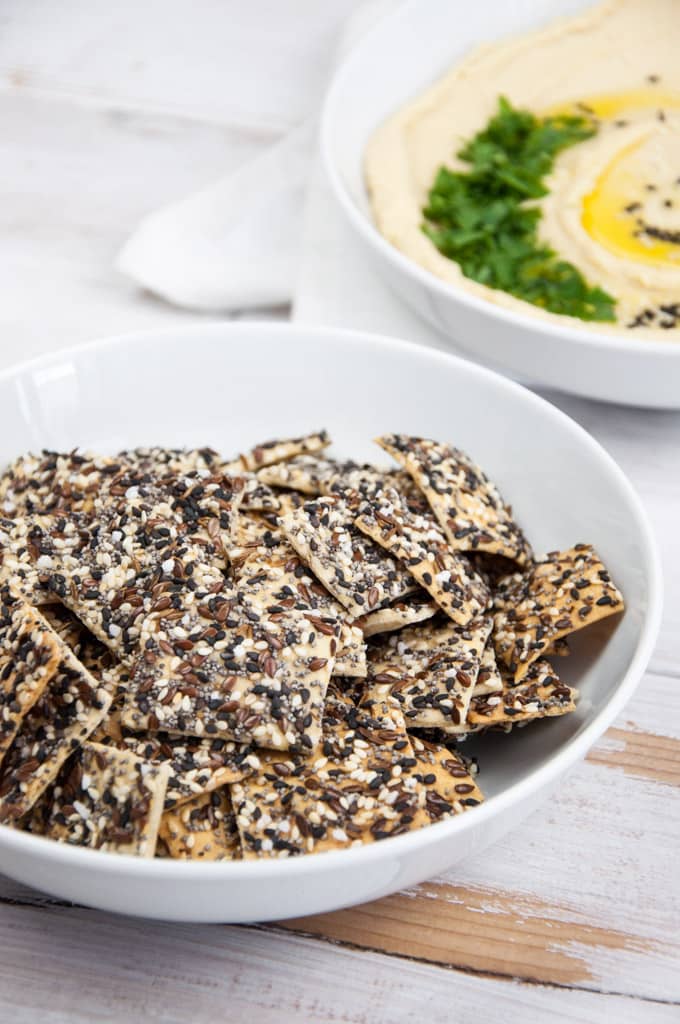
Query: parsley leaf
x=484, y=218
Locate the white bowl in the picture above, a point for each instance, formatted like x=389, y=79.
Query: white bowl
x=394, y=63
x=230, y=385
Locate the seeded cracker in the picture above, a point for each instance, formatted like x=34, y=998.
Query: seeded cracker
x=560, y=595
x=69, y=710
x=403, y=613
x=21, y=561
x=489, y=679
x=316, y=475
x=361, y=788
x=269, y=452
x=540, y=695
x=422, y=548
x=203, y=829
x=197, y=766
x=115, y=578
x=110, y=800
x=196, y=506
x=272, y=578
x=29, y=656
x=450, y=787
x=258, y=497
x=54, y=481
x=164, y=462
x=431, y=670
x=351, y=566
x=468, y=506
x=262, y=682
x=306, y=473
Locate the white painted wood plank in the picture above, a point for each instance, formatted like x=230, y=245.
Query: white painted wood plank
x=73, y=965
x=262, y=63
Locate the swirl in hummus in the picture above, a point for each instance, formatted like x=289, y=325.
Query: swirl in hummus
x=612, y=207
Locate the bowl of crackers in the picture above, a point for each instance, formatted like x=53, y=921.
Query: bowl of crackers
x=292, y=618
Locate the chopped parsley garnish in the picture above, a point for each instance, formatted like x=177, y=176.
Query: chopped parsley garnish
x=485, y=220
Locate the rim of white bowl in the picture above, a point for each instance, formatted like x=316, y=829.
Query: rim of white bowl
x=363, y=224
x=555, y=765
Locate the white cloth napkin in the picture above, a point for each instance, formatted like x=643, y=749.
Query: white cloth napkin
x=236, y=244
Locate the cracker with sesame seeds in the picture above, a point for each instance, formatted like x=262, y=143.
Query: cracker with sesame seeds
x=197, y=506
x=431, y=669
x=308, y=474
x=197, y=766
x=290, y=501
x=257, y=496
x=355, y=482
x=450, y=788
x=125, y=567
x=361, y=788
x=540, y=695
x=263, y=681
x=66, y=625
x=71, y=707
x=18, y=562
x=420, y=545
x=54, y=482
x=467, y=504
x=202, y=829
x=350, y=565
x=161, y=462
x=565, y=592
x=271, y=577
x=489, y=679
x=108, y=799
x=30, y=653
x=408, y=612
x=269, y=452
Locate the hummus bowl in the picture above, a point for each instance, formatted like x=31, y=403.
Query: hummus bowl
x=226, y=384
x=398, y=62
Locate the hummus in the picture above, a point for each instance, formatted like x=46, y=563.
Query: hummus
x=613, y=207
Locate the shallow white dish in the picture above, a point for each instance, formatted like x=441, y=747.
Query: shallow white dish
x=231, y=385
x=394, y=63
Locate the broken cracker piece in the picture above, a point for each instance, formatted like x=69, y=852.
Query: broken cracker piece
x=109, y=800
x=558, y=596
x=408, y=612
x=202, y=829
x=466, y=503
x=431, y=669
x=70, y=708
x=360, y=788
x=197, y=766
x=270, y=452
x=541, y=694
x=420, y=545
x=450, y=788
x=350, y=565
x=29, y=656
x=489, y=679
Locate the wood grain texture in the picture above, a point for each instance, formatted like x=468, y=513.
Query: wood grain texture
x=579, y=894
x=96, y=967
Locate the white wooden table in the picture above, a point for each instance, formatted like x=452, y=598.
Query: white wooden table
x=106, y=112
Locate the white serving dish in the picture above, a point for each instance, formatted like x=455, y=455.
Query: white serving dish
x=394, y=63
x=231, y=385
